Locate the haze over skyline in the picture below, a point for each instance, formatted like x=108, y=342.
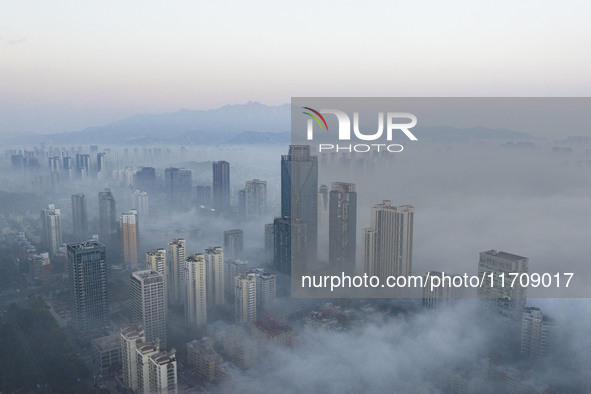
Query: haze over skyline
x=66, y=66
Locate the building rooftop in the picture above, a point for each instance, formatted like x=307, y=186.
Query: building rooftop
x=107, y=343
x=504, y=255
x=86, y=245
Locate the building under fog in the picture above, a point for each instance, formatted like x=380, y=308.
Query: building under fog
x=507, y=300
x=130, y=237
x=221, y=186
x=387, y=243
x=148, y=304
x=299, y=192
x=80, y=217
x=342, y=227
x=196, y=290
x=52, y=230
x=233, y=243
x=88, y=285
x=535, y=333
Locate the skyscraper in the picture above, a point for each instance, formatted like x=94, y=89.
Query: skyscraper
x=132, y=336
x=232, y=268
x=299, y=192
x=289, y=245
x=535, y=331
x=108, y=228
x=221, y=185
x=100, y=164
x=148, y=306
x=342, y=227
x=214, y=272
x=130, y=237
x=178, y=185
x=175, y=264
x=141, y=202
x=255, y=197
x=88, y=285
x=145, y=179
x=196, y=290
x=82, y=165
x=506, y=300
x=269, y=238
x=79, y=217
x=52, y=230
x=204, y=196
x=387, y=244
x=245, y=300
x=266, y=285
x=233, y=243
x=156, y=260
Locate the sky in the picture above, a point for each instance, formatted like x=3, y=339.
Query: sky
x=66, y=65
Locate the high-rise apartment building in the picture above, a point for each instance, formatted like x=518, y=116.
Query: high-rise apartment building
x=108, y=227
x=130, y=237
x=232, y=268
x=221, y=185
x=80, y=217
x=387, y=244
x=175, y=264
x=132, y=336
x=215, y=282
x=88, y=285
x=535, y=331
x=266, y=289
x=146, y=369
x=178, y=186
x=156, y=260
x=196, y=290
x=245, y=300
x=342, y=227
x=148, y=304
x=141, y=202
x=299, y=192
x=233, y=243
x=52, y=230
x=492, y=266
x=255, y=197
x=145, y=179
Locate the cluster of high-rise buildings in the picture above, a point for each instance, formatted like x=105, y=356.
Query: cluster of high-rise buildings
x=217, y=277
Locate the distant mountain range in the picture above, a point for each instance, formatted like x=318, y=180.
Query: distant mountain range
x=250, y=123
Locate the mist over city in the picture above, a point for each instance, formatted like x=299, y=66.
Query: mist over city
x=295, y=197
x=186, y=244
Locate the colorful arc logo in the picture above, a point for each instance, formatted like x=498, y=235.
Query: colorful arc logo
x=315, y=118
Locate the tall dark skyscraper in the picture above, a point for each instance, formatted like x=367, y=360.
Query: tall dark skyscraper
x=221, y=185
x=108, y=226
x=80, y=217
x=299, y=192
x=289, y=246
x=342, y=225
x=145, y=179
x=178, y=184
x=88, y=285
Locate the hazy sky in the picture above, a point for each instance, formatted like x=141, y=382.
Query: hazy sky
x=65, y=65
